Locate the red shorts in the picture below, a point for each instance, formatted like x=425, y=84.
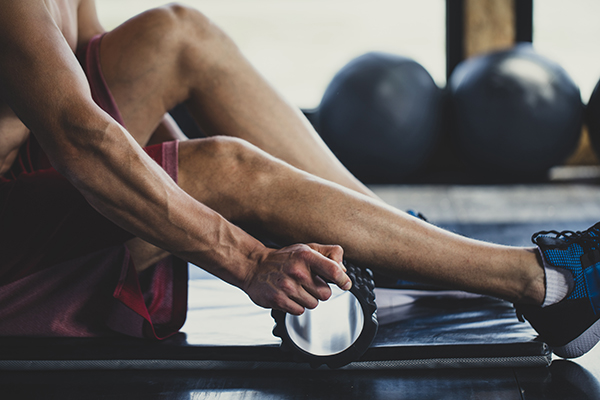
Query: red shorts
x=64, y=269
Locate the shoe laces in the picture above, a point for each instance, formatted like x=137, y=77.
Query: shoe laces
x=588, y=239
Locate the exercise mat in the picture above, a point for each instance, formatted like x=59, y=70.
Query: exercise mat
x=225, y=330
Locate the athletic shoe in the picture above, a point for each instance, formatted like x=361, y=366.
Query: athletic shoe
x=571, y=327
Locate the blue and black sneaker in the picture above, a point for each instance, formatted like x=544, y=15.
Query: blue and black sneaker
x=572, y=326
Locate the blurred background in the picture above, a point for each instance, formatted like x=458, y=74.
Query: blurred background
x=300, y=44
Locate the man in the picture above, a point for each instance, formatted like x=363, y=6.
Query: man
x=86, y=211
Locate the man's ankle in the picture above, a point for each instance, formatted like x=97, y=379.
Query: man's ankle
x=534, y=291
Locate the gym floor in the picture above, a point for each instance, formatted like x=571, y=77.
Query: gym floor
x=502, y=213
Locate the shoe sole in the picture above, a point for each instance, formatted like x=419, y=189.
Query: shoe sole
x=581, y=344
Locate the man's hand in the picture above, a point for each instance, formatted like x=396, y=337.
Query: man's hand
x=294, y=278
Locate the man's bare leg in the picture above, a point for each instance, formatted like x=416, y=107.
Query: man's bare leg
x=250, y=187
x=174, y=54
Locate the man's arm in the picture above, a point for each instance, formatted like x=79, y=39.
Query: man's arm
x=43, y=83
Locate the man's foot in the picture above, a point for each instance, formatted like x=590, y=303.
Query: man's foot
x=571, y=326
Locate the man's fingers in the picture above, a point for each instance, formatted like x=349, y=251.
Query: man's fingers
x=328, y=269
x=304, y=280
x=290, y=295
x=334, y=252
x=291, y=307
x=297, y=301
x=318, y=288
x=305, y=299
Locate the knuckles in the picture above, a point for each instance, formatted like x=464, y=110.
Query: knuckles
x=303, y=252
x=299, y=273
x=337, y=253
x=287, y=286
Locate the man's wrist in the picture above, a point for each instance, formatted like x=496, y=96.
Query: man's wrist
x=255, y=257
x=236, y=259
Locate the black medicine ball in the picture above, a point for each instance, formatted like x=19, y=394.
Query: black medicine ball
x=380, y=116
x=516, y=113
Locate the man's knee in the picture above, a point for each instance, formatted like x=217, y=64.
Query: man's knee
x=219, y=170
x=177, y=23
x=187, y=38
x=231, y=154
x=228, y=161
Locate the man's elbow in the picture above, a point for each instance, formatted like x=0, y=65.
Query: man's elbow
x=77, y=145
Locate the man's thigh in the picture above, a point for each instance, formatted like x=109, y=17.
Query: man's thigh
x=139, y=61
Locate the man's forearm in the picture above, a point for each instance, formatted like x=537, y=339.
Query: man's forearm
x=128, y=187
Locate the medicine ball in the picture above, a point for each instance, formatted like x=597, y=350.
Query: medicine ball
x=379, y=115
x=516, y=113
x=592, y=119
